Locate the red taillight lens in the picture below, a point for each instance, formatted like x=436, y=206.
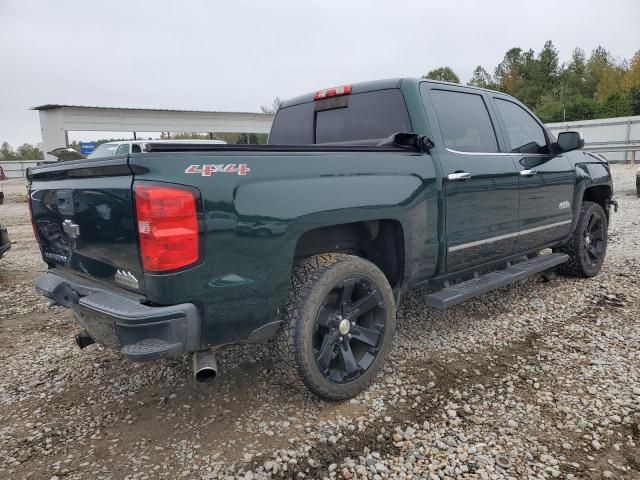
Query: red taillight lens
x=332, y=92
x=167, y=227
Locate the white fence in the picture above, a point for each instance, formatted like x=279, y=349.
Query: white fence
x=616, y=138
x=18, y=169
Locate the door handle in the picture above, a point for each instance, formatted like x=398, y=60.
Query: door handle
x=528, y=173
x=459, y=177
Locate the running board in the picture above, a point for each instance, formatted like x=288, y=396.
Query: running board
x=462, y=291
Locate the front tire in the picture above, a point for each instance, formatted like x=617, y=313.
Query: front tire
x=588, y=244
x=337, y=326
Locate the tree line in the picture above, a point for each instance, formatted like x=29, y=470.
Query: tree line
x=26, y=151
x=584, y=88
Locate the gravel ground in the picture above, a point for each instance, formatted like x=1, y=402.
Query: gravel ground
x=537, y=380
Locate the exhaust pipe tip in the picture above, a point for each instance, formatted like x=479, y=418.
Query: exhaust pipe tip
x=205, y=375
x=205, y=367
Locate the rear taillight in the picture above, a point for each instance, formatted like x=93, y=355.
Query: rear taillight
x=167, y=227
x=332, y=92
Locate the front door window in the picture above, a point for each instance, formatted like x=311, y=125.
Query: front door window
x=524, y=134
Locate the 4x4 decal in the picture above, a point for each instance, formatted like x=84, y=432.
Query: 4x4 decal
x=208, y=170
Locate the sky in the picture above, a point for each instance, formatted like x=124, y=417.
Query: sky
x=238, y=55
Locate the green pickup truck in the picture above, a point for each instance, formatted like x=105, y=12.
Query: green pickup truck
x=364, y=192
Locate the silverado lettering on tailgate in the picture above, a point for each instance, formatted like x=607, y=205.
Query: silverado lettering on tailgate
x=208, y=170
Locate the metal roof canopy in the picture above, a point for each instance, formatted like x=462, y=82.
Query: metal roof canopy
x=57, y=120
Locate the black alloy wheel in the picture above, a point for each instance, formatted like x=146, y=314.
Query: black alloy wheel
x=337, y=327
x=349, y=329
x=594, y=243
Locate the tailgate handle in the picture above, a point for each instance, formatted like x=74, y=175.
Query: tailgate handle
x=65, y=202
x=71, y=229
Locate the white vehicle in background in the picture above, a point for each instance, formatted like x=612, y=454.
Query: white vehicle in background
x=112, y=149
x=124, y=147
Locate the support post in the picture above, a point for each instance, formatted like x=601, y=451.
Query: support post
x=630, y=155
x=53, y=133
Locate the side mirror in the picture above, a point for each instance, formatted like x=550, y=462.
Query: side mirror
x=568, y=141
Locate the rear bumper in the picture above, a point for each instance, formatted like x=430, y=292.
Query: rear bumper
x=121, y=322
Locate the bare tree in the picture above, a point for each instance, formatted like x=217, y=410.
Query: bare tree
x=273, y=108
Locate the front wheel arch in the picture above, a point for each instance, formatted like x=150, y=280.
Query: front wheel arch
x=599, y=194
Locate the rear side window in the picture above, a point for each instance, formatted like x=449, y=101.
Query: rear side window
x=524, y=133
x=464, y=121
x=361, y=116
x=293, y=125
x=123, y=149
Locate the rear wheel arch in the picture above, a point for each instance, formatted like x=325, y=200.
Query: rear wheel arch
x=379, y=241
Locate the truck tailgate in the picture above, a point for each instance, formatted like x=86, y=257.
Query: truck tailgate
x=84, y=220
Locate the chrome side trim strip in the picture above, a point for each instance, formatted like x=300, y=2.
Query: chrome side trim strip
x=496, y=154
x=462, y=246
x=451, y=150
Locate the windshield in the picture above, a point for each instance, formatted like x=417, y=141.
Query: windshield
x=104, y=150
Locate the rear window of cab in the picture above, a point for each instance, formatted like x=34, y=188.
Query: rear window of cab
x=360, y=116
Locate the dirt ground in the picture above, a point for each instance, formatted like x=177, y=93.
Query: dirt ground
x=540, y=379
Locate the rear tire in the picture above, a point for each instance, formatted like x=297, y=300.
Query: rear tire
x=337, y=327
x=588, y=244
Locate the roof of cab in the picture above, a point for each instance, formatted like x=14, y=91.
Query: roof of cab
x=381, y=85
x=355, y=88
